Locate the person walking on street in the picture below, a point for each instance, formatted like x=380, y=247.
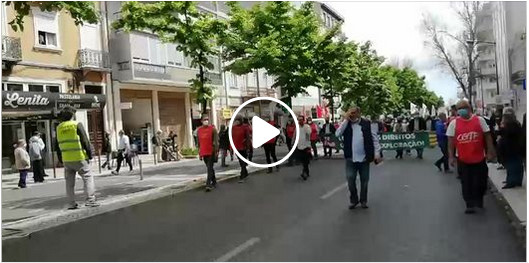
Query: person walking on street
x=248, y=126
x=75, y=153
x=241, y=139
x=304, y=147
x=224, y=144
x=36, y=146
x=157, y=143
x=290, y=133
x=270, y=148
x=418, y=124
x=470, y=136
x=511, y=149
x=327, y=134
x=108, y=151
x=313, y=137
x=442, y=141
x=399, y=128
x=22, y=162
x=124, y=150
x=361, y=147
x=208, y=143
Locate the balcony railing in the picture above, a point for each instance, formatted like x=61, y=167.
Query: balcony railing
x=252, y=92
x=89, y=58
x=11, y=49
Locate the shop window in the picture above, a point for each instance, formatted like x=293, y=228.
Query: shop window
x=36, y=88
x=54, y=89
x=92, y=89
x=14, y=87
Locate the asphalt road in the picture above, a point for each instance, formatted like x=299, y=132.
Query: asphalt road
x=415, y=214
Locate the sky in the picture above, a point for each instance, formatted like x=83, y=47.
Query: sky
x=394, y=30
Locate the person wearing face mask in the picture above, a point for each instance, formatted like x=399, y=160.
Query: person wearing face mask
x=471, y=137
x=270, y=147
x=313, y=136
x=241, y=139
x=303, y=149
x=361, y=147
x=327, y=133
x=208, y=143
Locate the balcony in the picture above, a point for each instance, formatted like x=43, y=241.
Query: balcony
x=93, y=59
x=11, y=49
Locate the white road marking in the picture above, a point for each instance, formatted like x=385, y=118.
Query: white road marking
x=333, y=191
x=250, y=242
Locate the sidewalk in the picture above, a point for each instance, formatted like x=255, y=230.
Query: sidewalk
x=514, y=200
x=40, y=206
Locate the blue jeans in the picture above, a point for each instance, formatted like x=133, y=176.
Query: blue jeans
x=22, y=181
x=514, y=167
x=352, y=169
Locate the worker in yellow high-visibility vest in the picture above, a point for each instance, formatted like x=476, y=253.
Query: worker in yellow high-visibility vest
x=75, y=153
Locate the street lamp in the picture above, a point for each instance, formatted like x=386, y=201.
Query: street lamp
x=495, y=60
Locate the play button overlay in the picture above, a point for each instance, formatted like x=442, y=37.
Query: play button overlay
x=262, y=132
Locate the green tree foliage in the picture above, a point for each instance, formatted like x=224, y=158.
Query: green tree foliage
x=80, y=11
x=180, y=22
x=274, y=36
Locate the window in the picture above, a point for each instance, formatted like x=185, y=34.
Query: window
x=140, y=44
x=233, y=81
x=46, y=29
x=92, y=89
x=54, y=89
x=174, y=57
x=36, y=88
x=14, y=87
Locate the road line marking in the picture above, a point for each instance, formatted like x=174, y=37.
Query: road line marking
x=250, y=242
x=333, y=191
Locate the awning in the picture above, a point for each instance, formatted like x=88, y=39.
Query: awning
x=15, y=101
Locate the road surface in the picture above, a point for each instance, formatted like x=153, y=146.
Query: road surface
x=415, y=214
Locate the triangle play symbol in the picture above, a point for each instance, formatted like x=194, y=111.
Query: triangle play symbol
x=262, y=132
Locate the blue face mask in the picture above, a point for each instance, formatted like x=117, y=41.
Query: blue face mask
x=463, y=113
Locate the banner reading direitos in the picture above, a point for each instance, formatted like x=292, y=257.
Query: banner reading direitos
x=394, y=141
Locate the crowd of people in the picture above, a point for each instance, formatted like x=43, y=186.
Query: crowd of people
x=467, y=141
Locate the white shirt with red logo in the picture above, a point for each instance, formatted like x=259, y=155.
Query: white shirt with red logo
x=469, y=138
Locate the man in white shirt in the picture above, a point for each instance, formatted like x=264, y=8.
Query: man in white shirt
x=304, y=146
x=123, y=152
x=361, y=147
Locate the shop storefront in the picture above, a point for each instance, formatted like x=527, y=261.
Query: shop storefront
x=26, y=112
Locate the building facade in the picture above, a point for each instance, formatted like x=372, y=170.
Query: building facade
x=50, y=64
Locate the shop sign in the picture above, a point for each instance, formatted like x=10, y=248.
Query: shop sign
x=126, y=105
x=14, y=101
x=226, y=113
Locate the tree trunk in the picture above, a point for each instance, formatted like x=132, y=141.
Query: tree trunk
x=201, y=77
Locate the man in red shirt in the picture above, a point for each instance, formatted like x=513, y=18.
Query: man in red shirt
x=470, y=136
x=246, y=123
x=241, y=139
x=313, y=136
x=208, y=139
x=290, y=132
x=270, y=147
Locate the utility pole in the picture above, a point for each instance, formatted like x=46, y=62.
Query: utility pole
x=258, y=90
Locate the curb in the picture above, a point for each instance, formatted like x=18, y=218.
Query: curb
x=518, y=226
x=25, y=227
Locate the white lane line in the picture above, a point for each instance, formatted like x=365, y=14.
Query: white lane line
x=250, y=242
x=333, y=191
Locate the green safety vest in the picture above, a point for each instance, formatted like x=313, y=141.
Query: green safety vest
x=70, y=142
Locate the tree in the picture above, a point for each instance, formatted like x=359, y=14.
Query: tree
x=179, y=22
x=456, y=51
x=80, y=11
x=276, y=37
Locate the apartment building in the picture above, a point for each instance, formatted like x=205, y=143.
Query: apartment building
x=50, y=64
x=502, y=44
